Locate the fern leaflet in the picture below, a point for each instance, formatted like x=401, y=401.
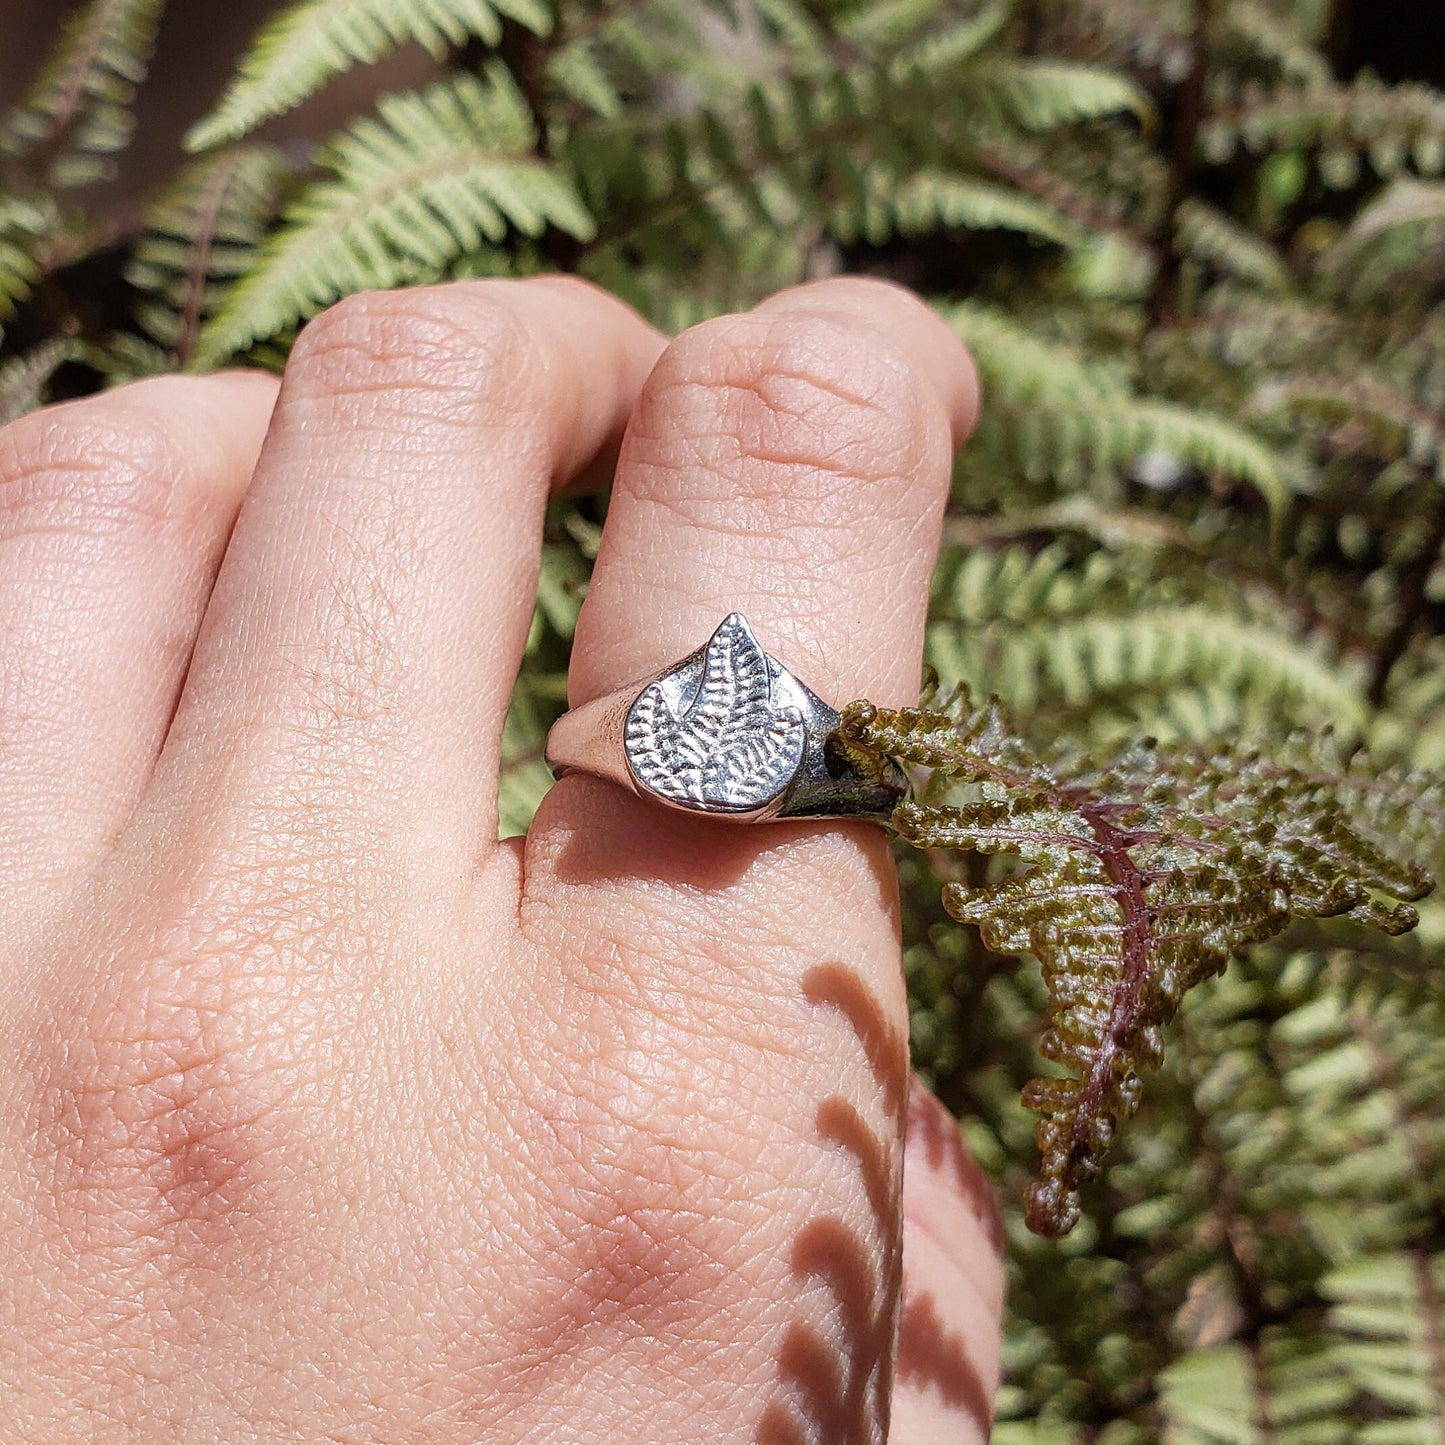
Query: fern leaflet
x=77, y=114
x=431, y=177
x=311, y=41
x=1140, y=876
x=23, y=378
x=1055, y=418
x=201, y=236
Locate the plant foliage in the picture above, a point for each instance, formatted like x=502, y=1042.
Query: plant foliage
x=1142, y=877
x=1203, y=275
x=308, y=44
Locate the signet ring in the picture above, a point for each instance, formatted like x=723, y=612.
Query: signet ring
x=729, y=733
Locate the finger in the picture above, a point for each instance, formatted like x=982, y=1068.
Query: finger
x=946, y=1373
x=791, y=463
x=113, y=515
x=359, y=652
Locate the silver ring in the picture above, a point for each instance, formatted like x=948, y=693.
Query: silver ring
x=730, y=733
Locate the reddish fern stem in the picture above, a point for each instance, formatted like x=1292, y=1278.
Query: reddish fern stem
x=1124, y=1008
x=213, y=199
x=73, y=87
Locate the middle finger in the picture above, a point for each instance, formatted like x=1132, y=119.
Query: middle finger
x=354, y=668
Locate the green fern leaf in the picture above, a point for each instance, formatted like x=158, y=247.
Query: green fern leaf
x=201, y=236
x=940, y=50
x=1277, y=39
x=1134, y=641
x=1056, y=418
x=1132, y=668
x=23, y=378
x=25, y=223
x=1394, y=126
x=434, y=175
x=888, y=24
x=1041, y=95
x=312, y=41
x=1397, y=240
x=930, y=199
x=579, y=72
x=1210, y=236
x=1141, y=875
x=77, y=114
x=1381, y=420
x=1389, y=1309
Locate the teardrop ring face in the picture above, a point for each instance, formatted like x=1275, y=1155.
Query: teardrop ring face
x=711, y=734
x=728, y=732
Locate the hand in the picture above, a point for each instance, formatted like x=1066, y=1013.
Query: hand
x=326, y=1116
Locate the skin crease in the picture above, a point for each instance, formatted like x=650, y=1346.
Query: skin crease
x=327, y=1116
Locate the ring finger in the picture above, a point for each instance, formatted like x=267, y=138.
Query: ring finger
x=792, y=464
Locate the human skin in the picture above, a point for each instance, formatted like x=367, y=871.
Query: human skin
x=327, y=1116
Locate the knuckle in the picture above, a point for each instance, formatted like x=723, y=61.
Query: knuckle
x=635, y=1233
x=97, y=469
x=804, y=395
x=647, y=1202
x=461, y=346
x=154, y=1125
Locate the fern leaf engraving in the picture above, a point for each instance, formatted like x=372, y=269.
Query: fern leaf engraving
x=730, y=746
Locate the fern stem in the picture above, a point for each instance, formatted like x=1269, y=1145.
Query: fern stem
x=1431, y=1305
x=1125, y=1008
x=208, y=215
x=1164, y=298
x=1410, y=608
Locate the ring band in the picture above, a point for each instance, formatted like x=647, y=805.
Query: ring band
x=730, y=733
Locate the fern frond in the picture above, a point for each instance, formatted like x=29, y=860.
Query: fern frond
x=312, y=41
x=931, y=200
x=1363, y=413
x=1040, y=95
x=578, y=71
x=1128, y=662
x=1150, y=35
x=201, y=237
x=1400, y=232
x=940, y=50
x=24, y=378
x=888, y=24
x=1411, y=728
x=1053, y=417
x=1209, y=236
x=1142, y=874
x=1277, y=40
x=77, y=114
x=1287, y=1388
x=433, y=175
x=1394, y=126
x=1389, y=1310
x=25, y=222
